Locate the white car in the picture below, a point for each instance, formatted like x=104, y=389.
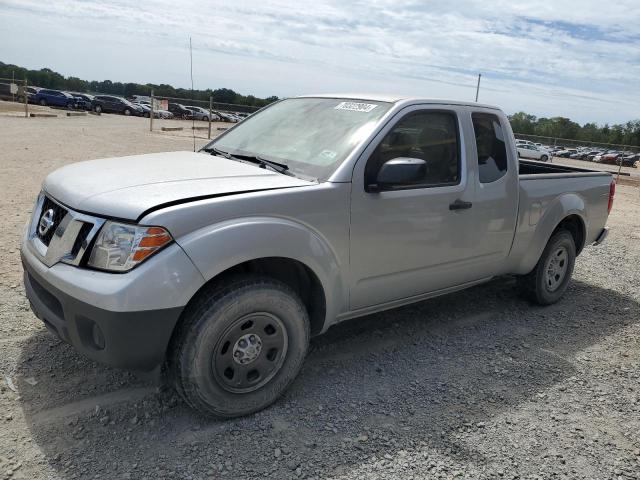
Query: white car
x=530, y=150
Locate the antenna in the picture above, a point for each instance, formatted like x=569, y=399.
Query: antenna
x=193, y=117
x=478, y=87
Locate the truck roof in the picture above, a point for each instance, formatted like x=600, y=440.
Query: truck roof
x=391, y=98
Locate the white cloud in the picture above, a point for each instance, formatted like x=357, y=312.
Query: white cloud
x=576, y=58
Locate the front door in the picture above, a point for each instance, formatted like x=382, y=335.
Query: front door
x=416, y=238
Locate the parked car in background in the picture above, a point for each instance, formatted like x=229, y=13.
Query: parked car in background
x=146, y=109
x=30, y=92
x=566, y=153
x=590, y=154
x=111, y=104
x=54, y=98
x=227, y=117
x=179, y=110
x=200, y=113
x=531, y=150
x=84, y=101
x=629, y=160
x=6, y=92
x=610, y=158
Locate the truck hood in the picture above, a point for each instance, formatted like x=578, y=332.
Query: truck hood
x=127, y=187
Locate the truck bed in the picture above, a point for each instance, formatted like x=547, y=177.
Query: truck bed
x=547, y=192
x=531, y=169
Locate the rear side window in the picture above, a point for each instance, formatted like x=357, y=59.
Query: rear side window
x=490, y=144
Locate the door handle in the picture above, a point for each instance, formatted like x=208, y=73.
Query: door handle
x=460, y=205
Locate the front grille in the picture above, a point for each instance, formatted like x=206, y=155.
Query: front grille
x=58, y=214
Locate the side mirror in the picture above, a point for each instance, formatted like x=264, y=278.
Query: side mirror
x=399, y=172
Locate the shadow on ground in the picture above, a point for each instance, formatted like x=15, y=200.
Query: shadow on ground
x=399, y=380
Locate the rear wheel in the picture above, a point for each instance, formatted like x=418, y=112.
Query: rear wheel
x=548, y=281
x=239, y=346
x=127, y=112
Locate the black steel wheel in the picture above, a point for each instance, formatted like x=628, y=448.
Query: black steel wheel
x=250, y=352
x=238, y=346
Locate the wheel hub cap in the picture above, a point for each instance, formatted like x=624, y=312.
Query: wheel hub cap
x=556, y=269
x=247, y=349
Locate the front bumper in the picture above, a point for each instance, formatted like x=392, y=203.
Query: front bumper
x=120, y=320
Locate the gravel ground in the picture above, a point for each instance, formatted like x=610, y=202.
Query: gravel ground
x=475, y=385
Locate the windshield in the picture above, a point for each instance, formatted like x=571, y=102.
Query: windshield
x=311, y=136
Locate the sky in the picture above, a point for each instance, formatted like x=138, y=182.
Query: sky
x=574, y=58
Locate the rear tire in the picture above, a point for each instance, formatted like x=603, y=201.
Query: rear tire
x=255, y=320
x=548, y=281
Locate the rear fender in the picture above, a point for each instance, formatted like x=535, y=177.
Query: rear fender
x=560, y=208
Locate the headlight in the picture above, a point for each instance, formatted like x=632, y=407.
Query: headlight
x=120, y=247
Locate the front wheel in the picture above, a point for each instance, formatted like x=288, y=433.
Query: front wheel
x=127, y=112
x=239, y=346
x=544, y=158
x=548, y=281
x=98, y=109
x=43, y=102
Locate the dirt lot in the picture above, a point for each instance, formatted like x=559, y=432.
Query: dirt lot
x=475, y=385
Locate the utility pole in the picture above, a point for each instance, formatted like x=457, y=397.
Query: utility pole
x=478, y=87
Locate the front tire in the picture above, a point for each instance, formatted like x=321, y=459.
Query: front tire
x=239, y=346
x=127, y=112
x=98, y=109
x=43, y=102
x=548, y=281
x=544, y=158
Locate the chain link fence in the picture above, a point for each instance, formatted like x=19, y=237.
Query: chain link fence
x=566, y=142
x=203, y=118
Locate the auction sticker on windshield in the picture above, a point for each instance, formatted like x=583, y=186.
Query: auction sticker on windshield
x=355, y=106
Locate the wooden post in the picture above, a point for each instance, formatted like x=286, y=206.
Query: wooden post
x=26, y=99
x=151, y=114
x=210, y=113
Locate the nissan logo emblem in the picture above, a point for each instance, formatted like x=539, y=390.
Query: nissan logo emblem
x=46, y=222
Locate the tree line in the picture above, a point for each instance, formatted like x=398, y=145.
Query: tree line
x=561, y=127
x=47, y=78
x=521, y=122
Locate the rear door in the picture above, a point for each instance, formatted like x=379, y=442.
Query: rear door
x=495, y=178
x=412, y=239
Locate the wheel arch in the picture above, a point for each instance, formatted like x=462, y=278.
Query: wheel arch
x=566, y=212
x=293, y=273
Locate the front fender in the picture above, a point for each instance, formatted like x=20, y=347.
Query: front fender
x=534, y=235
x=216, y=248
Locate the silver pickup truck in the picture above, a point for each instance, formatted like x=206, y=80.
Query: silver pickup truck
x=219, y=265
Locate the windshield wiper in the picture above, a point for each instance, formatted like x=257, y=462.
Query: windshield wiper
x=218, y=151
x=278, y=167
